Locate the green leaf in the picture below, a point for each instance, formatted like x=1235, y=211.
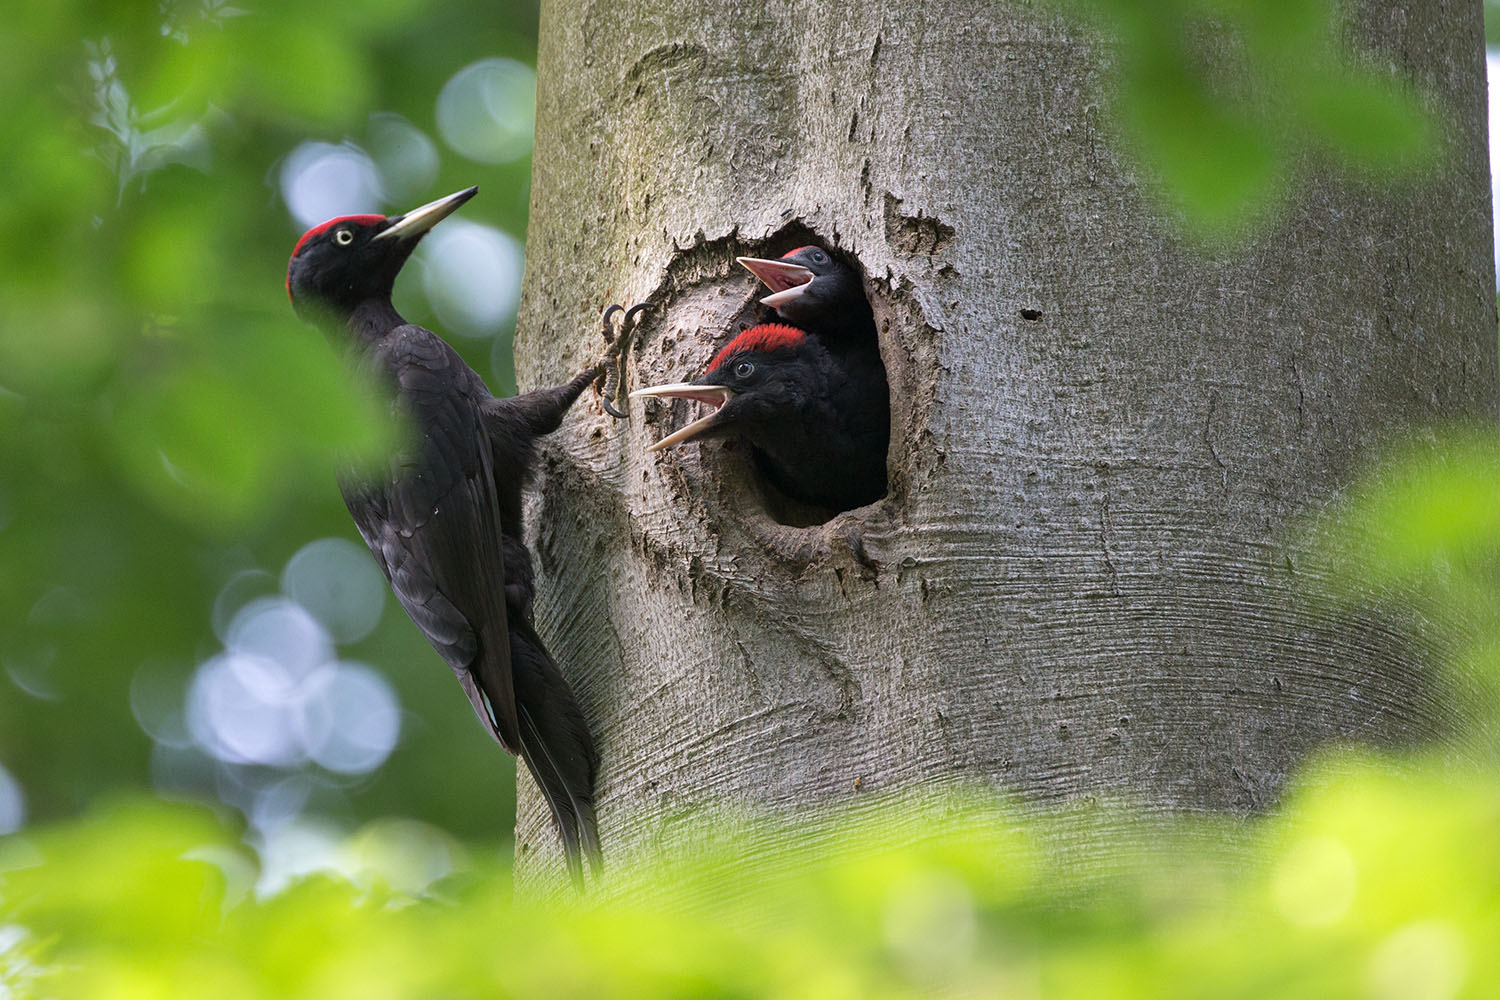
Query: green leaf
x=232, y=419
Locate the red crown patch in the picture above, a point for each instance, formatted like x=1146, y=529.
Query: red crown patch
x=323, y=227
x=765, y=338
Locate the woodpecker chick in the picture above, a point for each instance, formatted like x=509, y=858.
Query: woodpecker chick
x=443, y=517
x=815, y=291
x=817, y=421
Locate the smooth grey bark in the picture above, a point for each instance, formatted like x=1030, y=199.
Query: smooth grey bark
x=1085, y=577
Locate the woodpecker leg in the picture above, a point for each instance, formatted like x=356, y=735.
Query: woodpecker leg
x=617, y=354
x=611, y=373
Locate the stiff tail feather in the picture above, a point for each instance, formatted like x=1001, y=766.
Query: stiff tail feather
x=557, y=748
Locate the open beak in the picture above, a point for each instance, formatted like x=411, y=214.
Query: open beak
x=786, y=281
x=419, y=220
x=714, y=395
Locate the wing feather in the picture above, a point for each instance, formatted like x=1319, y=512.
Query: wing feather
x=432, y=519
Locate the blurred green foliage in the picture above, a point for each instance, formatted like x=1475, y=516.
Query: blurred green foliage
x=1228, y=103
x=165, y=421
x=1378, y=880
x=1430, y=515
x=1422, y=528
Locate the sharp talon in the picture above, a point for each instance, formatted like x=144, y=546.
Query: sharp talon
x=630, y=317
x=609, y=330
x=614, y=375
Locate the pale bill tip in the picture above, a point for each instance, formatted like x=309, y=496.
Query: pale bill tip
x=419, y=220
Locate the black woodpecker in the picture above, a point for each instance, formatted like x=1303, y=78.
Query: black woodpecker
x=817, y=420
x=443, y=517
x=815, y=291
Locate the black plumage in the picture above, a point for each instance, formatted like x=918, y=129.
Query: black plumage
x=443, y=517
x=817, y=420
x=815, y=291
x=808, y=394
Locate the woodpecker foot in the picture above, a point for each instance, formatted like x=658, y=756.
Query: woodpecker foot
x=611, y=384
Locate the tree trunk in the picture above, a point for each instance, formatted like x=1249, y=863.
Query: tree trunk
x=1085, y=576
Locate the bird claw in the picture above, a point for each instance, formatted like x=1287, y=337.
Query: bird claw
x=613, y=377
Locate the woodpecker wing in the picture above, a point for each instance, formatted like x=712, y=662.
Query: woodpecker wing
x=433, y=521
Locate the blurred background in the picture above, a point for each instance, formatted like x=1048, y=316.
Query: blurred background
x=184, y=604
x=185, y=607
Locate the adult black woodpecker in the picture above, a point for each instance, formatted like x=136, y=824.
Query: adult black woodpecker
x=815, y=291
x=443, y=517
x=817, y=420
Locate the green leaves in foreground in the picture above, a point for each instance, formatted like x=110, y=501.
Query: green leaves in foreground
x=1424, y=526
x=1425, y=511
x=1224, y=101
x=1378, y=881
x=214, y=436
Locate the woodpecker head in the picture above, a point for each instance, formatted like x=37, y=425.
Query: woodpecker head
x=345, y=261
x=755, y=383
x=808, y=285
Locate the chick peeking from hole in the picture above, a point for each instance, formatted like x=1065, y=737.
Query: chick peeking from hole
x=808, y=393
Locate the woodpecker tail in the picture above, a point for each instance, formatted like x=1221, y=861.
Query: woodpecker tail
x=557, y=747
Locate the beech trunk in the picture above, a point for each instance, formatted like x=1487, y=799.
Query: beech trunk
x=1086, y=577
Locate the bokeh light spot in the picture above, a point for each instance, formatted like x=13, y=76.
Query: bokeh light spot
x=283, y=633
x=353, y=723
x=405, y=854
x=31, y=670
x=338, y=582
x=281, y=802
x=407, y=160
x=12, y=803
x=156, y=701
x=487, y=110
x=298, y=849
x=1315, y=883
x=1427, y=960
x=320, y=181
x=236, y=712
x=276, y=721
x=472, y=276
x=242, y=588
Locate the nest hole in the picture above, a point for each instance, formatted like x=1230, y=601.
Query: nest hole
x=852, y=344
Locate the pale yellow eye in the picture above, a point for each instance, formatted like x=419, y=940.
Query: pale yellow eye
x=343, y=237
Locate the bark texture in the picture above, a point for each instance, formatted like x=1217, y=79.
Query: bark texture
x=1084, y=577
